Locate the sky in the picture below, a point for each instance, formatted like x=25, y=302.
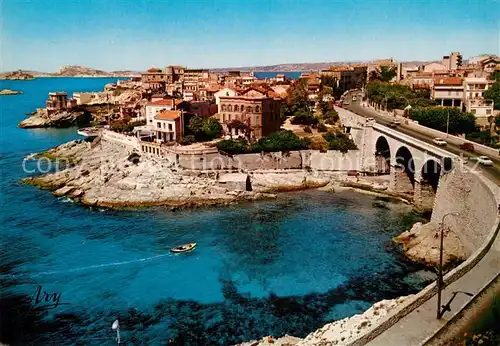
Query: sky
x=44, y=35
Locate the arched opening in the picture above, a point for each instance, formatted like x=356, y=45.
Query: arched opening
x=431, y=171
x=405, y=171
x=382, y=155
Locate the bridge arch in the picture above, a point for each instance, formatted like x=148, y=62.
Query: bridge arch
x=404, y=170
x=382, y=155
x=430, y=173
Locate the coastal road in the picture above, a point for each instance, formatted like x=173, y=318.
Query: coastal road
x=491, y=172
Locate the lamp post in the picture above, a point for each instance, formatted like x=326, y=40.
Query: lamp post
x=440, y=271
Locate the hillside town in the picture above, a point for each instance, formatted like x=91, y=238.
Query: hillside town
x=157, y=106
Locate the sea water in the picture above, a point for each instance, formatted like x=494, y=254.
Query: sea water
x=278, y=267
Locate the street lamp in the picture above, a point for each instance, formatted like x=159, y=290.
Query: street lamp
x=440, y=271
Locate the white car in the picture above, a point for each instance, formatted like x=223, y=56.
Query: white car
x=439, y=141
x=485, y=161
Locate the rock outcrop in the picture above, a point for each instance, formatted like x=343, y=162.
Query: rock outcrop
x=41, y=118
x=106, y=175
x=340, y=332
x=347, y=330
x=10, y=92
x=422, y=242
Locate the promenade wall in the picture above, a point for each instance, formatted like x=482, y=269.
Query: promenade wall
x=477, y=200
x=304, y=159
x=129, y=142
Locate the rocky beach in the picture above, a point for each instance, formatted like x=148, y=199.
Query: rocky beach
x=109, y=175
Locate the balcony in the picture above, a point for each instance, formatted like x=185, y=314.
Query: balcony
x=478, y=102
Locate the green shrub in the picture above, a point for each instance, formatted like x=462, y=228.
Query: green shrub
x=233, y=147
x=304, y=118
x=280, y=141
x=322, y=128
x=339, y=141
x=437, y=118
x=186, y=140
x=331, y=117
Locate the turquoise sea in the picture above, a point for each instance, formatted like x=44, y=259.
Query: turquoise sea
x=274, y=267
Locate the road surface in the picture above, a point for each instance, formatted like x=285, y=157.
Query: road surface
x=491, y=172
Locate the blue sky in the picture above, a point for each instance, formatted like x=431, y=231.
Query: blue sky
x=137, y=34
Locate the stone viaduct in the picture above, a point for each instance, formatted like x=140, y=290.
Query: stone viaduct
x=415, y=167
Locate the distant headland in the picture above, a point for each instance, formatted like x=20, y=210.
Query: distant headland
x=66, y=71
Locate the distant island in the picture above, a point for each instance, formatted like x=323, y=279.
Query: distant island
x=17, y=75
x=67, y=71
x=83, y=71
x=10, y=92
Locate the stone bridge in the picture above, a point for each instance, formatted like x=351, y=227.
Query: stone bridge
x=415, y=167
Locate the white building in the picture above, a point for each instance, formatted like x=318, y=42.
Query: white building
x=153, y=108
x=167, y=125
x=474, y=100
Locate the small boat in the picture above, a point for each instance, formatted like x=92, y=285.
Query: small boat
x=184, y=248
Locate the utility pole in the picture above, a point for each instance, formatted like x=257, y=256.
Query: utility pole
x=440, y=270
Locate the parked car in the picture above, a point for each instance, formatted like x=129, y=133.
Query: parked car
x=370, y=119
x=394, y=124
x=485, y=161
x=439, y=141
x=467, y=147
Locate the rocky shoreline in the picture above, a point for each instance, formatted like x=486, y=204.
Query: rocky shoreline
x=105, y=175
x=42, y=118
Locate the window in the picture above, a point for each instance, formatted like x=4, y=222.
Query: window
x=223, y=117
x=236, y=108
x=473, y=111
x=457, y=93
x=449, y=93
x=249, y=109
x=230, y=108
x=257, y=109
x=488, y=111
x=170, y=127
x=158, y=124
x=257, y=120
x=223, y=107
x=229, y=117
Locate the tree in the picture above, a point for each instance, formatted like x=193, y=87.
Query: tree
x=284, y=140
x=437, y=117
x=204, y=129
x=493, y=93
x=384, y=73
x=298, y=97
x=304, y=117
x=212, y=128
x=331, y=117
x=339, y=141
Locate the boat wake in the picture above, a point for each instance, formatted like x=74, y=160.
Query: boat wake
x=96, y=266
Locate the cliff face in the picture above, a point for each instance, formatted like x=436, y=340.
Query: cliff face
x=41, y=118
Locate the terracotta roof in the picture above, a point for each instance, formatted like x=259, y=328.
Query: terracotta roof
x=164, y=102
x=168, y=115
x=258, y=89
x=448, y=81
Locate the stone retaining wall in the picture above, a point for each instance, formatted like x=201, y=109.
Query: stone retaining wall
x=130, y=142
x=304, y=159
x=480, y=235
